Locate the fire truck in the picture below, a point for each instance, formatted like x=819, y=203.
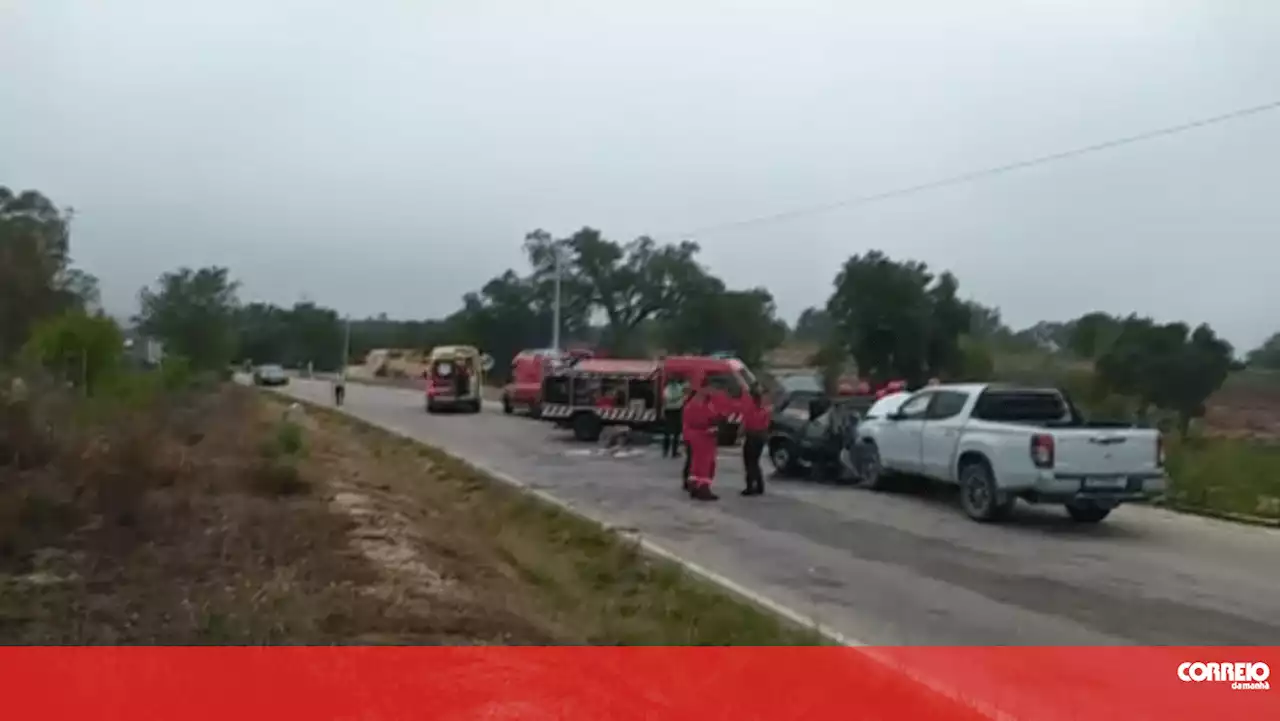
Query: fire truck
x=592, y=393
x=528, y=368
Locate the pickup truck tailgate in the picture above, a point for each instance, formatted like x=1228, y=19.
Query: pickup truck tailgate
x=1115, y=452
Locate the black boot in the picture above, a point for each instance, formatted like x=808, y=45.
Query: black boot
x=703, y=493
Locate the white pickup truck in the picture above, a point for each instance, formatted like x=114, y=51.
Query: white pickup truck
x=1001, y=443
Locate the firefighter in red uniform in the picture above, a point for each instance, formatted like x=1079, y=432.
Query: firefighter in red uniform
x=701, y=422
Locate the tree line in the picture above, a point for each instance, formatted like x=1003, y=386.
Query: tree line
x=885, y=317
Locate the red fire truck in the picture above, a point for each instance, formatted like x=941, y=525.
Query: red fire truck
x=597, y=392
x=524, y=390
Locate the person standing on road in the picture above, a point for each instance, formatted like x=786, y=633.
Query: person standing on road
x=672, y=403
x=340, y=387
x=755, y=426
x=684, y=437
x=700, y=426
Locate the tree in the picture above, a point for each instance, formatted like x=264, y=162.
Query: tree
x=1090, y=335
x=1050, y=335
x=315, y=336
x=949, y=321
x=1267, y=355
x=78, y=347
x=502, y=319
x=813, y=326
x=1201, y=367
x=305, y=333
x=36, y=277
x=261, y=332
x=577, y=297
x=742, y=322
x=193, y=313
x=1166, y=365
x=977, y=362
x=895, y=320
x=630, y=283
x=985, y=323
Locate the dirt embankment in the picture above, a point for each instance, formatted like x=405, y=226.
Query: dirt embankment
x=226, y=517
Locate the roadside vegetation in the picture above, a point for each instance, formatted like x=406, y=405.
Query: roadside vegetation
x=208, y=514
x=146, y=502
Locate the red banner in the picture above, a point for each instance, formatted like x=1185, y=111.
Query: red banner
x=384, y=684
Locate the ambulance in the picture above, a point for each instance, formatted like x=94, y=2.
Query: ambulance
x=455, y=378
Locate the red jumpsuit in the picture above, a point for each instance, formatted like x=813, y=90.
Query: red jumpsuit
x=700, y=433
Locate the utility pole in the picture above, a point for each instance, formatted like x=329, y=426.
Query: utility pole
x=555, y=307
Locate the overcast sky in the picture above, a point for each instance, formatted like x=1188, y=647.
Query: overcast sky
x=390, y=155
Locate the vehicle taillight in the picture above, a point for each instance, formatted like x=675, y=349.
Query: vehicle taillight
x=1042, y=450
x=1159, y=451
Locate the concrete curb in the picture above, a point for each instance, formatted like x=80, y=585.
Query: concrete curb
x=1242, y=518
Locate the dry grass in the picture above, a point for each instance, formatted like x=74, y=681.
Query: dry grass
x=210, y=519
x=156, y=526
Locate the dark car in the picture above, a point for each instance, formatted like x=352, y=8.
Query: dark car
x=808, y=431
x=270, y=375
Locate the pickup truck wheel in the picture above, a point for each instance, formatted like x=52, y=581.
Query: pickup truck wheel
x=979, y=495
x=1081, y=513
x=870, y=470
x=507, y=408
x=783, y=456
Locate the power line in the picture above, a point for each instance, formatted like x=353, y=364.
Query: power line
x=987, y=172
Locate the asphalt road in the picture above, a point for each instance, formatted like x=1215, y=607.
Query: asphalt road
x=899, y=568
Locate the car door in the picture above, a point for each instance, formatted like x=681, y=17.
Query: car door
x=813, y=437
x=940, y=433
x=900, y=440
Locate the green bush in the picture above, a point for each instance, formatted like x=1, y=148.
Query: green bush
x=176, y=373
x=287, y=441
x=1233, y=475
x=76, y=347
x=289, y=438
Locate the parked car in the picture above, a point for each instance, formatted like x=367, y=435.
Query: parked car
x=1003, y=443
x=270, y=375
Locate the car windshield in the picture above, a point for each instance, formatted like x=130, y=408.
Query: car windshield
x=800, y=383
x=271, y=369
